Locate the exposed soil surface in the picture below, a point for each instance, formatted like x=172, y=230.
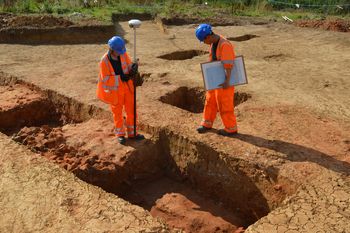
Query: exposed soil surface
x=181, y=207
x=173, y=202
x=286, y=171
x=88, y=153
x=89, y=150
x=214, y=21
x=15, y=95
x=45, y=21
x=17, y=101
x=330, y=25
x=48, y=29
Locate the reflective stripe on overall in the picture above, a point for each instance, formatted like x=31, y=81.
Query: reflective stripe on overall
x=126, y=101
x=125, y=95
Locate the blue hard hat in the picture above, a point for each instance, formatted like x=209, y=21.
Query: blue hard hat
x=202, y=31
x=117, y=44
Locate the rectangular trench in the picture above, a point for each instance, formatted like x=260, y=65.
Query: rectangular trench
x=187, y=184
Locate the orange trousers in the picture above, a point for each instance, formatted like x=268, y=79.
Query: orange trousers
x=220, y=100
x=126, y=101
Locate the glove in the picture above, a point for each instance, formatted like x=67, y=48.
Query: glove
x=138, y=79
x=134, y=69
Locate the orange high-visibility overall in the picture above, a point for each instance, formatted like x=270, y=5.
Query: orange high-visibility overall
x=221, y=99
x=118, y=94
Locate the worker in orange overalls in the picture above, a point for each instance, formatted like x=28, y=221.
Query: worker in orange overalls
x=115, y=87
x=221, y=99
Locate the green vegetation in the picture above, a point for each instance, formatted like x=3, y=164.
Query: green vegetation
x=102, y=9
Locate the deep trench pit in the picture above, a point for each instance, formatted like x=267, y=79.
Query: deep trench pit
x=183, y=55
x=48, y=29
x=276, y=57
x=242, y=38
x=150, y=175
x=193, y=99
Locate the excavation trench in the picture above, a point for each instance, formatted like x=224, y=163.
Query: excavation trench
x=242, y=38
x=186, y=183
x=192, y=99
x=59, y=35
x=183, y=55
x=48, y=29
x=214, y=21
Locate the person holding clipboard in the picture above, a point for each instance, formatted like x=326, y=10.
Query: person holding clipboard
x=220, y=99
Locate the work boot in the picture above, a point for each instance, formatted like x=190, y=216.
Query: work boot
x=202, y=129
x=226, y=134
x=122, y=140
x=138, y=137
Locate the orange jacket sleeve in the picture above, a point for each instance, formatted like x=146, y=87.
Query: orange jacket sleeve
x=104, y=68
x=227, y=55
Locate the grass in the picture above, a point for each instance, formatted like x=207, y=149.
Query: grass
x=103, y=9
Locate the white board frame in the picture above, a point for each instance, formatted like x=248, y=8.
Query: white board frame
x=214, y=74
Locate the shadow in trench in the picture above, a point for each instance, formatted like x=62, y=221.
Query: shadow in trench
x=242, y=38
x=182, y=206
x=226, y=181
x=298, y=153
x=229, y=182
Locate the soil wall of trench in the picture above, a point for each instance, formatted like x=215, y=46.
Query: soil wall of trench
x=239, y=185
x=58, y=35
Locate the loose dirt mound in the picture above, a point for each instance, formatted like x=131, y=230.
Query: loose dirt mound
x=180, y=211
x=51, y=142
x=214, y=20
x=45, y=21
x=47, y=29
x=13, y=95
x=331, y=25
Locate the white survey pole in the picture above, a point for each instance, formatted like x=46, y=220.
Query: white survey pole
x=134, y=23
x=135, y=59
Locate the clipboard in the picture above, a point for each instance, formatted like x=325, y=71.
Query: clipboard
x=214, y=74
